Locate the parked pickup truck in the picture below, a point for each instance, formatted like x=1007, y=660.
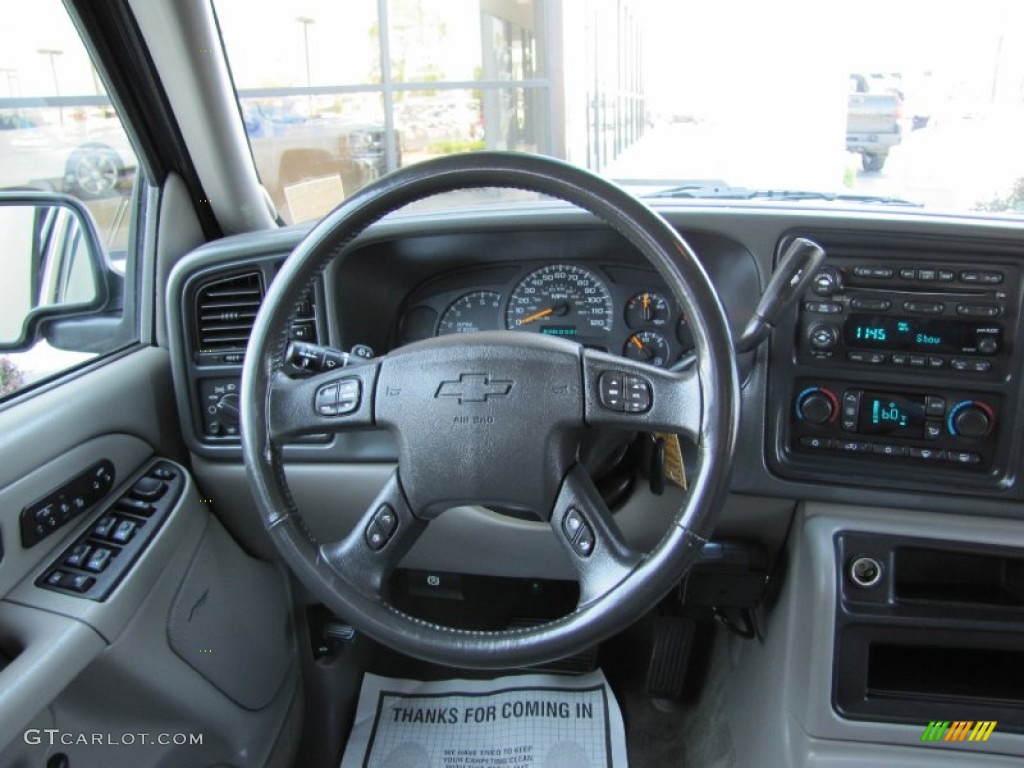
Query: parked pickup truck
x=872, y=122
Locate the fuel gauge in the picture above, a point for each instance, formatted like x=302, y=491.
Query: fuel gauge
x=647, y=347
x=647, y=308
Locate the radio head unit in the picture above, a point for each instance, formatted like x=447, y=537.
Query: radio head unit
x=948, y=316
x=936, y=335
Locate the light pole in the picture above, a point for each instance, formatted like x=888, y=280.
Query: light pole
x=12, y=77
x=305, y=21
x=53, y=53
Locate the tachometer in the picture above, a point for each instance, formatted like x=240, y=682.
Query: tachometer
x=560, y=300
x=476, y=311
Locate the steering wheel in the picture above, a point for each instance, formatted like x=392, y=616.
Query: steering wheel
x=491, y=418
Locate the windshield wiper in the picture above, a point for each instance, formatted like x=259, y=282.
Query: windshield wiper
x=716, y=192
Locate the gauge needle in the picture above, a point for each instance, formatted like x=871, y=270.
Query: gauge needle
x=537, y=315
x=559, y=309
x=635, y=341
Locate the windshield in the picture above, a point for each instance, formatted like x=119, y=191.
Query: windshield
x=789, y=102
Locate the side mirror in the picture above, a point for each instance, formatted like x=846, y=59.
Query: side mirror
x=53, y=265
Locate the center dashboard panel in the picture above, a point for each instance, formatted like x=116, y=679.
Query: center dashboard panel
x=575, y=281
x=899, y=368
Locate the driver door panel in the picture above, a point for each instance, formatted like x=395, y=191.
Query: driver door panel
x=163, y=654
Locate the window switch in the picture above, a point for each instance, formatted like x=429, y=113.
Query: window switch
x=99, y=560
x=76, y=582
x=79, y=556
x=124, y=532
x=135, y=506
x=148, y=489
x=105, y=527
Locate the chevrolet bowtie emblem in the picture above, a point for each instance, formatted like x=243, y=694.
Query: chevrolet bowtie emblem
x=474, y=388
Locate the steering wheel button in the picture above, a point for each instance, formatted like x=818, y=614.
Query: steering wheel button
x=326, y=398
x=386, y=520
x=348, y=396
x=610, y=391
x=584, y=544
x=638, y=394
x=572, y=524
x=375, y=537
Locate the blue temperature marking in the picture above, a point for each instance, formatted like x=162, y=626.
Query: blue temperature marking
x=954, y=411
x=799, y=399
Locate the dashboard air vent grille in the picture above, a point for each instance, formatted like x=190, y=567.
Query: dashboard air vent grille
x=226, y=310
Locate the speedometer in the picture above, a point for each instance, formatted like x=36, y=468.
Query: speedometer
x=560, y=300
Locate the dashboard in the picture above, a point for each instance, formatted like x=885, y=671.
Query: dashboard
x=608, y=307
x=913, y=322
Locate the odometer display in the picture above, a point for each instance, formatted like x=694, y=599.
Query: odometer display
x=560, y=295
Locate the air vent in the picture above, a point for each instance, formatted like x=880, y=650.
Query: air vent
x=226, y=310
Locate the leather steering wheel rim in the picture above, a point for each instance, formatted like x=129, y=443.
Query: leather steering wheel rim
x=617, y=585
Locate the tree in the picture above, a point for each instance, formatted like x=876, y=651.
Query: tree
x=11, y=377
x=1011, y=202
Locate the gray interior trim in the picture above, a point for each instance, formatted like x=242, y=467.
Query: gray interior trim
x=48, y=652
x=779, y=695
x=199, y=89
x=126, y=395
x=144, y=686
x=464, y=539
x=226, y=599
x=178, y=232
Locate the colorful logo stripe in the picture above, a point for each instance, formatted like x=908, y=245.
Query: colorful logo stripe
x=958, y=730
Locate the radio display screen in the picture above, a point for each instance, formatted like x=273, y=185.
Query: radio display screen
x=917, y=334
x=883, y=413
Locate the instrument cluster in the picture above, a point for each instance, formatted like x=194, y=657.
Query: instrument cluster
x=622, y=311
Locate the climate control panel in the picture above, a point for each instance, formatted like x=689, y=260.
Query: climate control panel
x=956, y=428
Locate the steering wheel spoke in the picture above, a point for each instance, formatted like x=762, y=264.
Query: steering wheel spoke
x=332, y=401
x=634, y=396
x=590, y=537
x=377, y=543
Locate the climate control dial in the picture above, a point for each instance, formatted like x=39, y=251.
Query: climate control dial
x=972, y=419
x=816, y=405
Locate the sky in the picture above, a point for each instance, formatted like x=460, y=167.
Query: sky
x=788, y=45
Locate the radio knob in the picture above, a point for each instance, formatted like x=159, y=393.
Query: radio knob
x=816, y=407
x=827, y=281
x=972, y=422
x=987, y=345
x=823, y=337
